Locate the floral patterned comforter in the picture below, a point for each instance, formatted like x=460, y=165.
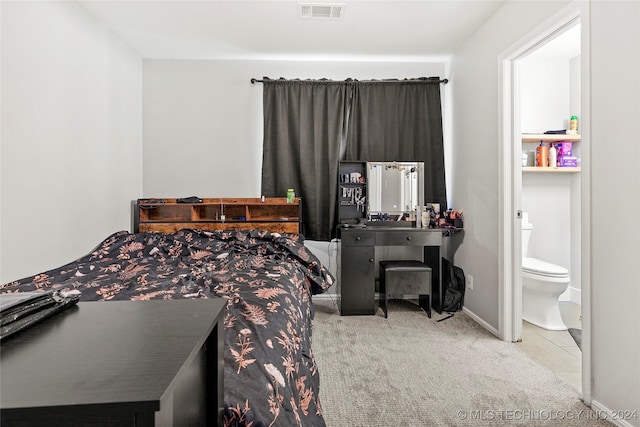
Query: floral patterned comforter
x=270, y=374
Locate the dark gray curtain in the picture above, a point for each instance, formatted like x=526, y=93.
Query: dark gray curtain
x=304, y=128
x=310, y=125
x=400, y=121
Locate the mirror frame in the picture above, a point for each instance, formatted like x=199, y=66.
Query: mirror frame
x=413, y=171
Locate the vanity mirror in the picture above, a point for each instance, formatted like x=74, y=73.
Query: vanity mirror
x=394, y=189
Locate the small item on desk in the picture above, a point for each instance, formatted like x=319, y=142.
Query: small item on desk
x=291, y=195
x=153, y=202
x=192, y=199
x=433, y=219
x=434, y=215
x=454, y=218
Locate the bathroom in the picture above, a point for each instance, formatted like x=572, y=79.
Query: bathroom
x=550, y=95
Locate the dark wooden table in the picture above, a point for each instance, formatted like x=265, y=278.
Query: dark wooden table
x=117, y=363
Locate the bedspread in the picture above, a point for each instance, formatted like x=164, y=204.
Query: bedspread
x=270, y=374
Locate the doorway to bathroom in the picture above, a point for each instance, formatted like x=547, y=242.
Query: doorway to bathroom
x=550, y=200
x=544, y=83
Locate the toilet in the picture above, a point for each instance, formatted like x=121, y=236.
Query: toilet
x=542, y=285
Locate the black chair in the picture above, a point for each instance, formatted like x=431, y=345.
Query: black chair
x=406, y=277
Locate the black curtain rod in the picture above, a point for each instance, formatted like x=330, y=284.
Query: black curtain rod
x=443, y=81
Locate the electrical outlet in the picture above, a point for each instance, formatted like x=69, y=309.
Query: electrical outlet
x=469, y=281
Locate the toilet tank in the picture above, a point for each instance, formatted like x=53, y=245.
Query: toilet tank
x=527, y=227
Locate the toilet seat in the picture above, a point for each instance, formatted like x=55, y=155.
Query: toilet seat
x=542, y=268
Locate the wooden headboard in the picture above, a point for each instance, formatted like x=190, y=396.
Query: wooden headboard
x=169, y=215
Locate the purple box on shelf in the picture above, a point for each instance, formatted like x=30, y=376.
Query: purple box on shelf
x=564, y=148
x=569, y=161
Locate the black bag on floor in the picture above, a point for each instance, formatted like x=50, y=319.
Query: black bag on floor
x=453, y=285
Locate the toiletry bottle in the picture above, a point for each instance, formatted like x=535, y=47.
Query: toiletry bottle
x=291, y=195
x=542, y=155
x=418, y=217
x=552, y=156
x=426, y=217
x=573, y=124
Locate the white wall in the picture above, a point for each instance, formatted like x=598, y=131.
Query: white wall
x=203, y=123
x=615, y=178
x=203, y=119
x=545, y=93
x=475, y=189
x=71, y=135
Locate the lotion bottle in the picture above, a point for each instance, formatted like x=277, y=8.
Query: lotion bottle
x=552, y=156
x=426, y=218
x=542, y=155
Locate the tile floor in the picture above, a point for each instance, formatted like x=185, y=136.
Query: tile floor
x=556, y=349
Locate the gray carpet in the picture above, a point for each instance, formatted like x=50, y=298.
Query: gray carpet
x=409, y=370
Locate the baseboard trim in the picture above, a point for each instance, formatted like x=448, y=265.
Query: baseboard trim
x=480, y=321
x=602, y=412
x=571, y=295
x=324, y=296
x=576, y=295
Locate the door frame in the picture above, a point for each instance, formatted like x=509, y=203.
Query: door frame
x=510, y=181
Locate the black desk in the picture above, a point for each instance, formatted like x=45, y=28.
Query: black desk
x=117, y=363
x=357, y=262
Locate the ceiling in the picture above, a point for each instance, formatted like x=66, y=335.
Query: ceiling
x=392, y=30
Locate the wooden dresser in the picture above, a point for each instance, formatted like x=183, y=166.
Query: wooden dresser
x=169, y=215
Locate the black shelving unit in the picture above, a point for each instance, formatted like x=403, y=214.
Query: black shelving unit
x=352, y=192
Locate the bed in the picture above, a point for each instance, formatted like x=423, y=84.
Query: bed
x=267, y=279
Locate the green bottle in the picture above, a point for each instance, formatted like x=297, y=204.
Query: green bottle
x=573, y=123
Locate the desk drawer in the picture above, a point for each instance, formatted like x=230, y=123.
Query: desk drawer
x=357, y=238
x=408, y=238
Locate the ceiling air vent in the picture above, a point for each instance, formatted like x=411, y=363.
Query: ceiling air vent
x=320, y=10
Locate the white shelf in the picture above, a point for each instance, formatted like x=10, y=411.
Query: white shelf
x=550, y=170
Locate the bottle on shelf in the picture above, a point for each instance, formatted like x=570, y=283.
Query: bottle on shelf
x=573, y=124
x=553, y=160
x=542, y=155
x=291, y=195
